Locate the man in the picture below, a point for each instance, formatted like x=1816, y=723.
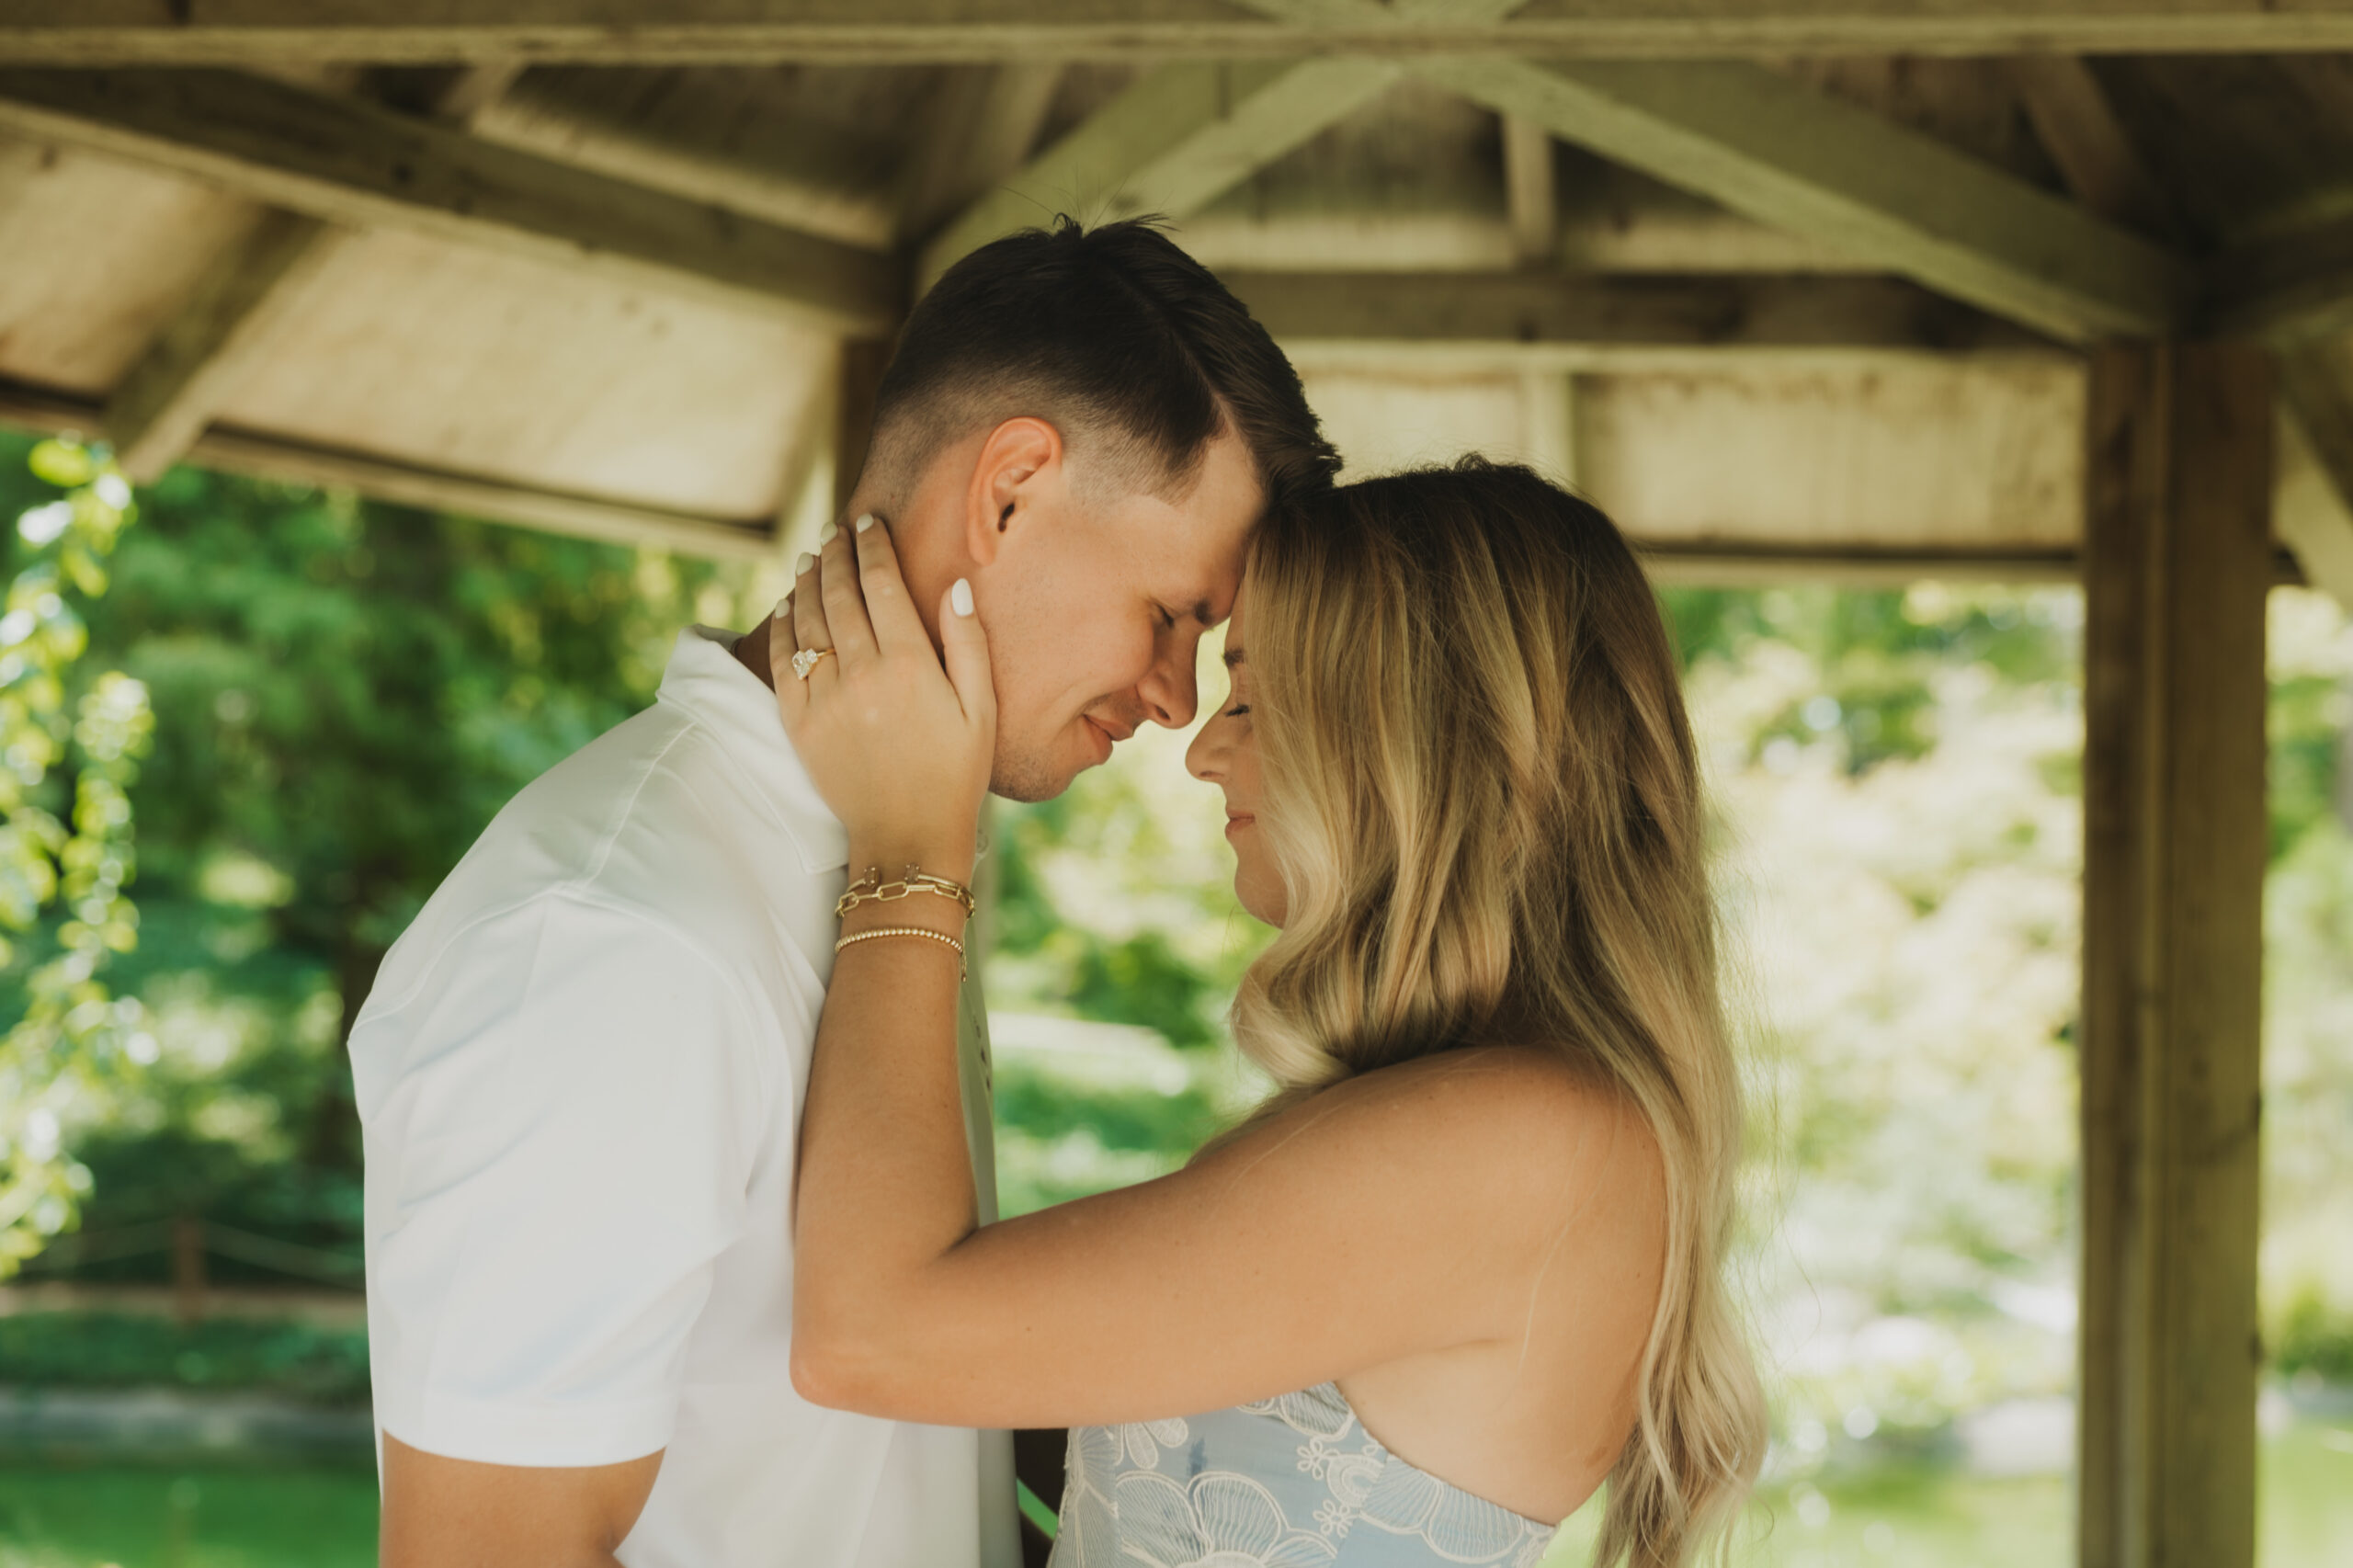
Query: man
x=579, y=1074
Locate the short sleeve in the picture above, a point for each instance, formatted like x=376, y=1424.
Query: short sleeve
x=560, y=1121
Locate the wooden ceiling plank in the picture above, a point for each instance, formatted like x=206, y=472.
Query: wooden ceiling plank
x=2313, y=386
x=248, y=32
x=164, y=403
x=1518, y=311
x=1787, y=156
x=348, y=162
x=1170, y=144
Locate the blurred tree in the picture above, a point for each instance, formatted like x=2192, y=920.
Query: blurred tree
x=64, y=835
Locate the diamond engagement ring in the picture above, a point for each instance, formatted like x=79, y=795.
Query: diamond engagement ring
x=806, y=660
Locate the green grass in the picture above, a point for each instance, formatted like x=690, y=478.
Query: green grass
x=121, y=1518
x=1928, y=1519
x=128, y=1517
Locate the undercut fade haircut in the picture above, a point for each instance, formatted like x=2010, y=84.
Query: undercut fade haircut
x=1130, y=347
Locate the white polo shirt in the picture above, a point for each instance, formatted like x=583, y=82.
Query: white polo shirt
x=580, y=1077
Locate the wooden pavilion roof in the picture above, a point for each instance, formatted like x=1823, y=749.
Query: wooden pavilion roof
x=1793, y=285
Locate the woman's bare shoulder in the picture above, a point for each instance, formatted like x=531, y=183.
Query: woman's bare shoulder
x=1506, y=1120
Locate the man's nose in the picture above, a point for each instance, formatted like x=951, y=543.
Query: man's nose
x=1169, y=692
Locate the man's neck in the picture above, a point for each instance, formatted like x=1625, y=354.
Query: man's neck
x=751, y=651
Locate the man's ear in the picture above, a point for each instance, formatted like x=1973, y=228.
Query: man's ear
x=1021, y=461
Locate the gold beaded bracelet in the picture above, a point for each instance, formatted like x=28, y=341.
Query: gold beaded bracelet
x=940, y=936
x=872, y=889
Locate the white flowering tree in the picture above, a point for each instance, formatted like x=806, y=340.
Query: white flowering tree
x=68, y=752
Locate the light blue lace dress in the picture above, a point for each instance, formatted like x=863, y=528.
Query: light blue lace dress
x=1288, y=1483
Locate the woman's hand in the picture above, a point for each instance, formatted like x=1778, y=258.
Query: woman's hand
x=900, y=747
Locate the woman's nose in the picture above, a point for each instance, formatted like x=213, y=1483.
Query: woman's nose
x=1205, y=758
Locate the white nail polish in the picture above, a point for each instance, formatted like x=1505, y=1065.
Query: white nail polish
x=960, y=597
x=783, y=610
x=865, y=521
x=800, y=567
x=827, y=537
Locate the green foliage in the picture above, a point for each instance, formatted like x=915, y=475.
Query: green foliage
x=56, y=1514
x=58, y=1349
x=2314, y=1335
x=2308, y=989
x=1878, y=656
x=74, y=750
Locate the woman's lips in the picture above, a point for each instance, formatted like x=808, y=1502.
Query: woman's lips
x=1236, y=821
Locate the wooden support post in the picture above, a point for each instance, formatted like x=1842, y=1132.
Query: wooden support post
x=2178, y=563
x=187, y=1270
x=1548, y=424
x=1529, y=200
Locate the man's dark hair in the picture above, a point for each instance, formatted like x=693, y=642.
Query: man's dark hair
x=1128, y=346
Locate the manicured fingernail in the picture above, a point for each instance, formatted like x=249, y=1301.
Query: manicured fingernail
x=960, y=597
x=783, y=610
x=800, y=567
x=827, y=537
x=865, y=521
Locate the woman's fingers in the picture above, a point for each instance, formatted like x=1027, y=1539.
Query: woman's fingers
x=964, y=648
x=897, y=627
x=845, y=619
x=809, y=629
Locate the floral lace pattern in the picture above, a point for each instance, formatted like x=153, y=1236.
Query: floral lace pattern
x=1294, y=1482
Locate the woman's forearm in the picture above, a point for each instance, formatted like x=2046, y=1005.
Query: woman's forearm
x=885, y=1186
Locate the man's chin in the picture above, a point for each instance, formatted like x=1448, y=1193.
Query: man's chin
x=1029, y=781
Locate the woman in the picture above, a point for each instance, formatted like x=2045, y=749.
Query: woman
x=1465, y=1265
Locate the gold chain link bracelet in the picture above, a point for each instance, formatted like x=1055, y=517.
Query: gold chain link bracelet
x=872, y=889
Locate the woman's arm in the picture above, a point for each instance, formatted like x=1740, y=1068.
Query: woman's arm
x=1408, y=1211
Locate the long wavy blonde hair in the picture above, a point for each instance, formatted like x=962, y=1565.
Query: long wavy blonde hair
x=1483, y=798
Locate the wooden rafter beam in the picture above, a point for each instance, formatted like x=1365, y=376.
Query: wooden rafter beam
x=976, y=131
x=2079, y=128
x=1522, y=316
x=1171, y=144
x=162, y=404
x=1183, y=135
x=344, y=160
x=2287, y=291
x=245, y=32
x=442, y=490
x=1787, y=156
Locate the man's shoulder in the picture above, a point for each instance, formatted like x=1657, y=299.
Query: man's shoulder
x=646, y=828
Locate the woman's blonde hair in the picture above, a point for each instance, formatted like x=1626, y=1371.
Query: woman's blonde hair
x=1483, y=798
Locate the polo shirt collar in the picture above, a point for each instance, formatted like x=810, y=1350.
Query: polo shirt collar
x=706, y=679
